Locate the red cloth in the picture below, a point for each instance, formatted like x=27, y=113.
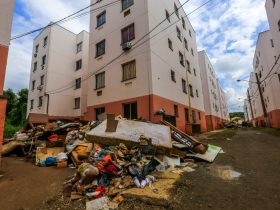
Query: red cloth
x=101, y=190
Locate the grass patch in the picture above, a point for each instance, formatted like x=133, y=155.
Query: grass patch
x=271, y=131
x=10, y=130
x=222, y=134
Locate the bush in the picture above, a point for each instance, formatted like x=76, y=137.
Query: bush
x=10, y=130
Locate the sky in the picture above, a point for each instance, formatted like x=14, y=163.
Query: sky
x=226, y=29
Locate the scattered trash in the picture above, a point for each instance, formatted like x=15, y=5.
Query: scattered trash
x=222, y=152
x=210, y=154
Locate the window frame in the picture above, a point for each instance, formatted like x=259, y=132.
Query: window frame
x=44, y=58
x=179, y=33
x=78, y=83
x=40, y=101
x=176, y=110
x=103, y=21
x=37, y=48
x=173, y=76
x=183, y=23
x=186, y=44
x=189, y=67
x=170, y=44
x=176, y=10
x=181, y=59
x=31, y=104
x=184, y=86
x=130, y=107
x=77, y=105
x=187, y=115
x=97, y=76
x=79, y=47
x=78, y=67
x=127, y=63
x=45, y=41
x=35, y=66
x=42, y=80
x=191, y=90
x=126, y=6
x=33, y=84
x=131, y=36
x=103, y=48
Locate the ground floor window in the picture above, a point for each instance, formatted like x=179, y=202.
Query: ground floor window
x=130, y=111
x=77, y=103
x=193, y=116
x=99, y=111
x=187, y=115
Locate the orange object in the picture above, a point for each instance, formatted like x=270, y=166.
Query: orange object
x=62, y=164
x=53, y=138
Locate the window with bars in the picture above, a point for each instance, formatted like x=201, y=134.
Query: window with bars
x=77, y=102
x=100, y=48
x=101, y=19
x=129, y=70
x=100, y=80
x=128, y=34
x=78, y=64
x=78, y=83
x=79, y=47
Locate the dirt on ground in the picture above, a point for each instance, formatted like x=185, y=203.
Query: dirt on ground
x=252, y=153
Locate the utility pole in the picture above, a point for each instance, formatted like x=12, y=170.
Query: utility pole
x=252, y=113
x=266, y=119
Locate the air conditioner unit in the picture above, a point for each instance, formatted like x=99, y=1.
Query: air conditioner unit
x=40, y=87
x=126, y=46
x=35, y=55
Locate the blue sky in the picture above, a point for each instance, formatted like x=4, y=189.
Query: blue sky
x=226, y=29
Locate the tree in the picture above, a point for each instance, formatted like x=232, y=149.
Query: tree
x=19, y=112
x=12, y=99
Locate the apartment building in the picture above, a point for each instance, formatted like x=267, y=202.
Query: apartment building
x=58, y=88
x=264, y=60
x=215, y=102
x=140, y=72
x=6, y=18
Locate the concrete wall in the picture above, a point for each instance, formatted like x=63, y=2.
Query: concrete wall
x=6, y=19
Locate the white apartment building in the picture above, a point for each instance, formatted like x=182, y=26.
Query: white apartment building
x=57, y=87
x=215, y=102
x=264, y=60
x=139, y=71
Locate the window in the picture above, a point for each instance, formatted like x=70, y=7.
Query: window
x=190, y=33
x=192, y=52
x=189, y=66
x=197, y=95
x=40, y=101
x=77, y=103
x=79, y=47
x=100, y=80
x=130, y=111
x=199, y=115
x=194, y=72
x=173, y=76
x=44, y=60
x=126, y=4
x=45, y=41
x=176, y=114
x=178, y=33
x=184, y=86
x=33, y=84
x=272, y=44
x=99, y=111
x=279, y=77
x=181, y=59
x=35, y=66
x=176, y=10
x=167, y=15
x=273, y=3
x=37, y=48
x=191, y=90
x=78, y=64
x=129, y=70
x=279, y=25
x=78, y=83
x=187, y=115
x=170, y=44
x=184, y=23
x=128, y=34
x=101, y=19
x=193, y=116
x=100, y=48
x=42, y=80
x=186, y=44
x=31, y=104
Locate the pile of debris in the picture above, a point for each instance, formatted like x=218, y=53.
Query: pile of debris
x=109, y=156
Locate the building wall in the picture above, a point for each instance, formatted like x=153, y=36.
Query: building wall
x=154, y=61
x=60, y=73
x=6, y=18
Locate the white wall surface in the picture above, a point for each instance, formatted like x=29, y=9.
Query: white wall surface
x=6, y=18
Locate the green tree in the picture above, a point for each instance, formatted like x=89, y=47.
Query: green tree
x=12, y=99
x=19, y=112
